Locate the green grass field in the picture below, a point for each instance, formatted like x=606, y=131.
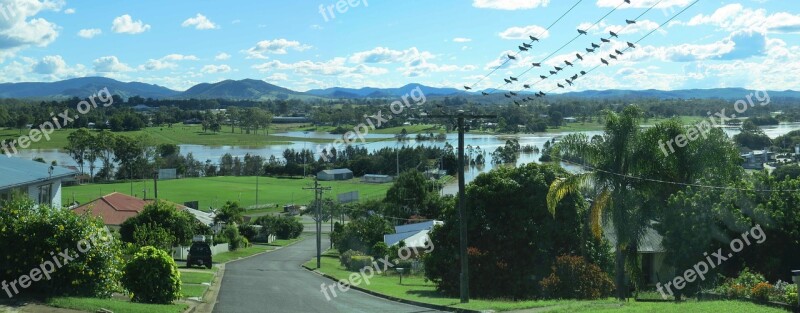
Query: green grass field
x=417, y=289
x=215, y=191
x=115, y=305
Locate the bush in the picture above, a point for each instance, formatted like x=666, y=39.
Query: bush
x=152, y=277
x=235, y=240
x=29, y=235
x=248, y=231
x=790, y=294
x=761, y=291
x=161, y=217
x=346, y=257
x=380, y=250
x=283, y=227
x=574, y=278
x=741, y=286
x=359, y=262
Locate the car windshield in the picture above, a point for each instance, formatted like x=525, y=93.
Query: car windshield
x=199, y=249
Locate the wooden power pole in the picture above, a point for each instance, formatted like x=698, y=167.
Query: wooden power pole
x=318, y=217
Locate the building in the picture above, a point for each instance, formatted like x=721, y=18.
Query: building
x=374, y=178
x=414, y=235
x=651, y=254
x=290, y=119
x=38, y=181
x=116, y=208
x=335, y=174
x=755, y=160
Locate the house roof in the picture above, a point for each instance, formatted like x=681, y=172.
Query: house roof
x=416, y=226
x=338, y=171
x=21, y=172
x=412, y=238
x=116, y=208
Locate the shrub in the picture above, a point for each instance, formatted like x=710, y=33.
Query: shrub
x=761, y=291
x=346, y=257
x=738, y=291
x=574, y=278
x=152, y=277
x=235, y=240
x=790, y=294
x=359, y=262
x=179, y=225
x=29, y=235
x=749, y=279
x=379, y=250
x=283, y=227
x=248, y=231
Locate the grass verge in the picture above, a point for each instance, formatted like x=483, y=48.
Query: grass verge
x=115, y=305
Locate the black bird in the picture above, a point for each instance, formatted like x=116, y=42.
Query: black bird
x=613, y=34
x=589, y=50
x=569, y=82
x=525, y=100
x=542, y=77
x=526, y=45
x=605, y=40
x=631, y=45
x=507, y=80
x=594, y=45
x=517, y=103
x=484, y=93
x=628, y=1
x=612, y=56
x=579, y=56
x=560, y=85
x=630, y=22
x=542, y=93
x=538, y=95
x=537, y=64
x=567, y=62
x=534, y=38
x=618, y=52
x=467, y=87
x=526, y=86
x=521, y=48
x=553, y=72
x=530, y=99
x=513, y=78
x=512, y=57
x=507, y=96
x=583, y=72
x=558, y=69
x=513, y=93
x=582, y=32
x=574, y=77
x=604, y=61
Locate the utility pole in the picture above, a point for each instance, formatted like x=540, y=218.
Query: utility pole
x=257, y=174
x=462, y=214
x=318, y=197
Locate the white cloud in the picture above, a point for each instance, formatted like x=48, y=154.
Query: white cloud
x=640, y=27
x=19, y=28
x=640, y=4
x=199, y=22
x=49, y=65
x=277, y=46
x=180, y=57
x=509, y=4
x=69, y=11
x=334, y=67
x=222, y=56
x=735, y=17
x=166, y=62
x=522, y=32
x=212, y=69
x=277, y=77
x=110, y=64
x=379, y=55
x=126, y=25
x=89, y=32
x=460, y=39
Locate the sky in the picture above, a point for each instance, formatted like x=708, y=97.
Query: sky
x=312, y=44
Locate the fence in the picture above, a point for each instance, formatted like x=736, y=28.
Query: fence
x=180, y=252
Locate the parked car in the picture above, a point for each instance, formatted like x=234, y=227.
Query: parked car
x=199, y=254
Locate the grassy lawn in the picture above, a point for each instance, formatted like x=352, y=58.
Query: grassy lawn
x=115, y=305
x=285, y=242
x=193, y=291
x=214, y=191
x=417, y=289
x=195, y=277
x=241, y=253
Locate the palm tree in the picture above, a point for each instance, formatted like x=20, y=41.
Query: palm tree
x=614, y=156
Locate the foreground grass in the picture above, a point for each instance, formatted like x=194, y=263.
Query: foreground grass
x=193, y=291
x=415, y=288
x=115, y=305
x=215, y=191
x=241, y=253
x=195, y=277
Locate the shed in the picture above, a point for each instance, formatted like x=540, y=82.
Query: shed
x=374, y=178
x=335, y=174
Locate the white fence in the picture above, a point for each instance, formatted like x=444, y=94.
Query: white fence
x=180, y=252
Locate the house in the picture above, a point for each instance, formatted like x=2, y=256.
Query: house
x=38, y=181
x=116, y=208
x=374, y=178
x=413, y=235
x=756, y=159
x=290, y=119
x=335, y=174
x=651, y=255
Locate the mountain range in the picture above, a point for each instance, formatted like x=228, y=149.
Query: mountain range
x=251, y=89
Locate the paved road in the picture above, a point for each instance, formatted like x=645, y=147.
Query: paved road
x=275, y=282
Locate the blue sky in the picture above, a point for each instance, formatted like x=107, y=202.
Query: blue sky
x=443, y=43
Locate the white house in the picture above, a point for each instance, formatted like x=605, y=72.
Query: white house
x=39, y=181
x=413, y=235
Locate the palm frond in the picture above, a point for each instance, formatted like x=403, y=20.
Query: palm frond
x=602, y=201
x=562, y=187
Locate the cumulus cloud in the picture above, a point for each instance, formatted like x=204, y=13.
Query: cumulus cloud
x=522, y=32
x=19, y=28
x=509, y=4
x=222, y=56
x=212, y=69
x=110, y=64
x=199, y=22
x=166, y=62
x=735, y=17
x=49, y=65
x=639, y=4
x=69, y=11
x=333, y=67
x=461, y=39
x=89, y=33
x=126, y=25
x=277, y=46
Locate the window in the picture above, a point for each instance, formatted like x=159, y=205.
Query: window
x=45, y=194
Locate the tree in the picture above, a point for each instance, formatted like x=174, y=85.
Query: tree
x=104, y=148
x=79, y=145
x=411, y=194
x=230, y=213
x=360, y=234
x=160, y=216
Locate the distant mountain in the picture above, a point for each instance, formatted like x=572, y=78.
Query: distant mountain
x=83, y=87
x=717, y=93
x=246, y=89
x=370, y=92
